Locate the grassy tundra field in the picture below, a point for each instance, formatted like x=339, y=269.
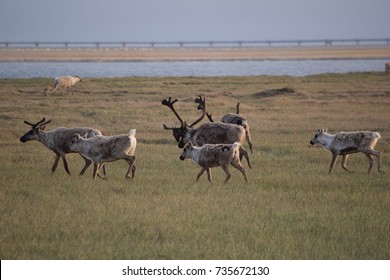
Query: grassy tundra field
x=290, y=208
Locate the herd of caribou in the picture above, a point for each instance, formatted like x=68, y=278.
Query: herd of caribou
x=211, y=144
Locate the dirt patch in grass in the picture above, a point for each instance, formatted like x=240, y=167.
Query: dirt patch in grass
x=274, y=92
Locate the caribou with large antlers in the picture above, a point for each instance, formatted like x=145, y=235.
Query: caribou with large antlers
x=207, y=133
x=57, y=140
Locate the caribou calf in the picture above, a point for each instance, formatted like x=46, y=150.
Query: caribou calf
x=214, y=155
x=49, y=89
x=345, y=143
x=101, y=149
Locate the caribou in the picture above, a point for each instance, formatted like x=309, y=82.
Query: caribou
x=214, y=155
x=67, y=82
x=101, y=149
x=345, y=143
x=57, y=140
x=236, y=118
x=207, y=133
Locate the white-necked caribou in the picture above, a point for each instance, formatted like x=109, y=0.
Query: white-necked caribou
x=58, y=140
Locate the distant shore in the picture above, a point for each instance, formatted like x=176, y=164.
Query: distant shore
x=172, y=54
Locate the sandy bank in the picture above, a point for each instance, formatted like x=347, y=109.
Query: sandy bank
x=150, y=54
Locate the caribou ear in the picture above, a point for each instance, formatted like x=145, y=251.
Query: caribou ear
x=167, y=128
x=326, y=130
x=189, y=145
x=42, y=125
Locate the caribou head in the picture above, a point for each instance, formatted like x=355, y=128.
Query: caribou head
x=33, y=134
x=183, y=133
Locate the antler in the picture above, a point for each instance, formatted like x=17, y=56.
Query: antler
x=209, y=116
x=202, y=106
x=45, y=123
x=238, y=108
x=40, y=123
x=168, y=102
x=33, y=125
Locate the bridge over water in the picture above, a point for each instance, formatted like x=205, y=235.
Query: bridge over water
x=184, y=44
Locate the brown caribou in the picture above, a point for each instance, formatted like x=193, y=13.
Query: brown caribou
x=238, y=119
x=207, y=133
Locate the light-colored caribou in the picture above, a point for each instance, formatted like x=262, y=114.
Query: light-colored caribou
x=345, y=143
x=214, y=155
x=66, y=82
x=101, y=149
x=58, y=140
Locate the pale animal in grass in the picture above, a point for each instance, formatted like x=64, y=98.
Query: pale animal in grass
x=66, y=82
x=57, y=140
x=345, y=143
x=214, y=155
x=101, y=149
x=207, y=133
x=238, y=119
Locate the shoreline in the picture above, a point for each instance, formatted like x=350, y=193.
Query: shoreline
x=191, y=54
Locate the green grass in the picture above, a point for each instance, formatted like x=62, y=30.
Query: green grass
x=290, y=209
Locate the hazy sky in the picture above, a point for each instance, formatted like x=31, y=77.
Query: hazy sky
x=172, y=20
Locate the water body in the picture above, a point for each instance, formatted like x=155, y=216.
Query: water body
x=189, y=68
